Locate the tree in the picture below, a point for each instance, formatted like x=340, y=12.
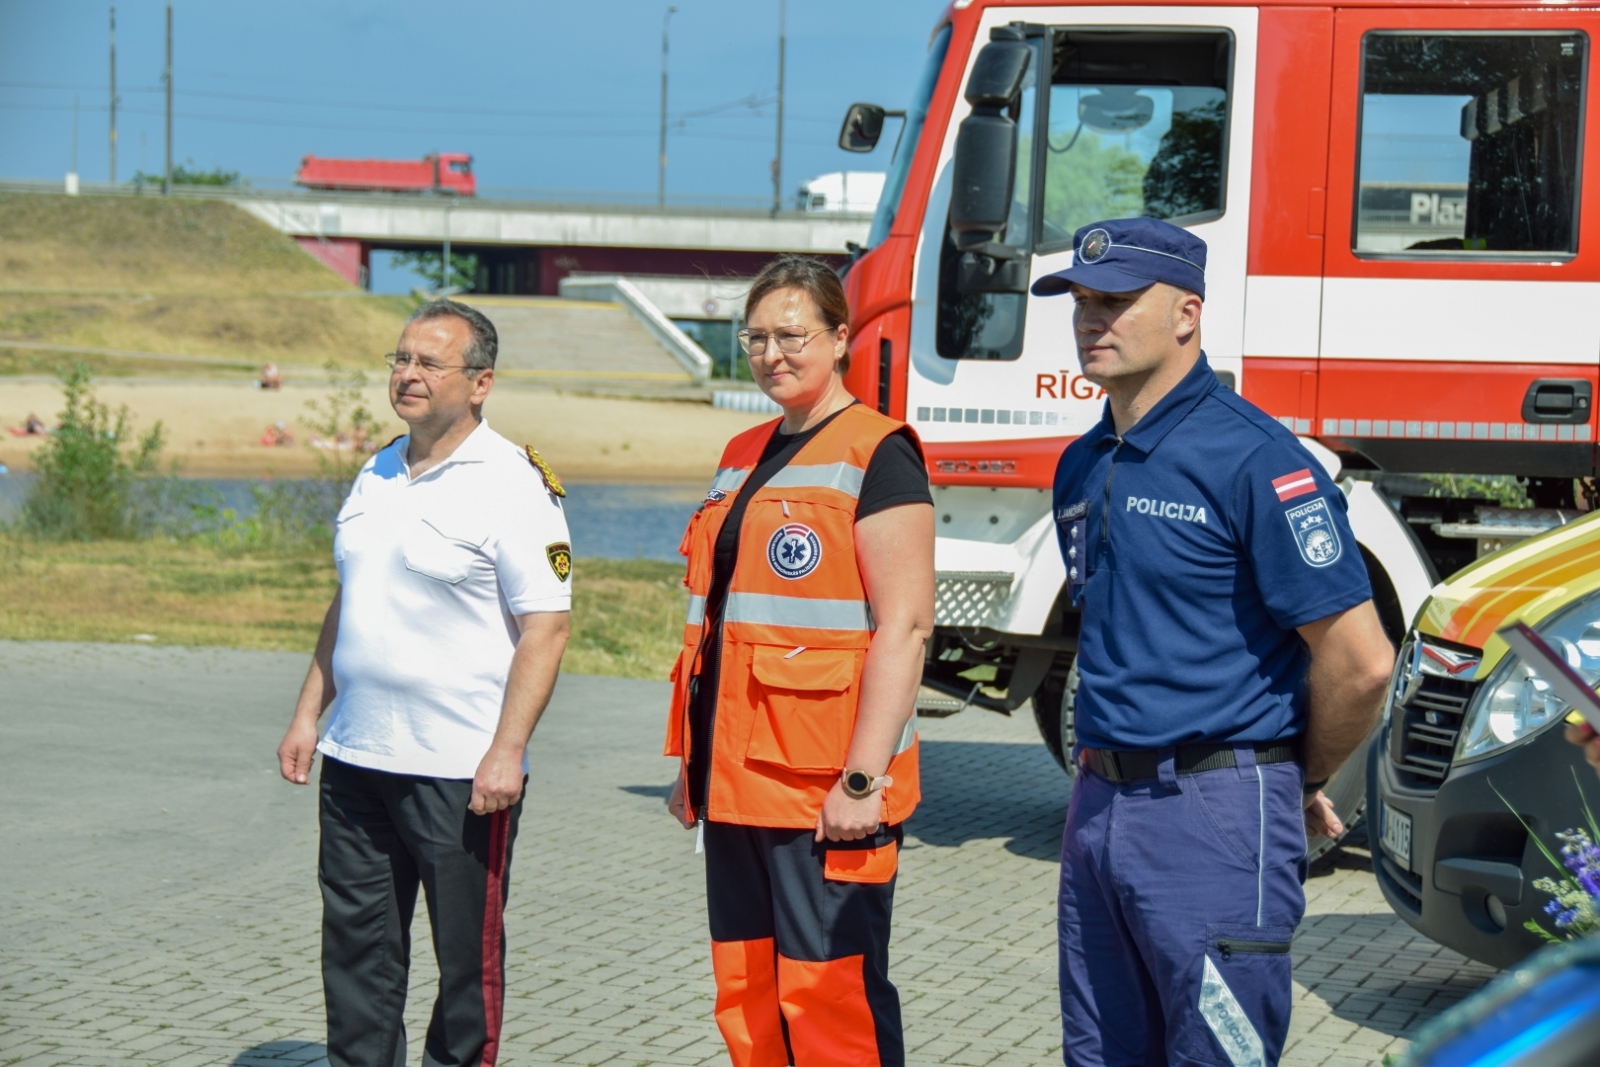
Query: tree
x=463, y=269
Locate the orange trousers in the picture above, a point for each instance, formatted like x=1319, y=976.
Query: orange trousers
x=800, y=947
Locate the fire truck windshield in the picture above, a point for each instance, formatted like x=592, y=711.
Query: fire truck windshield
x=910, y=134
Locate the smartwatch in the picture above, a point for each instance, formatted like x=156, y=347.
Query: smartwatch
x=858, y=785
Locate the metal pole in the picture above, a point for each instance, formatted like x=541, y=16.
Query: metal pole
x=113, y=96
x=444, y=274
x=661, y=175
x=777, y=162
x=74, y=133
x=166, y=181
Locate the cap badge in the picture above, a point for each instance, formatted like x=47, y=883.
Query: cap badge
x=1096, y=243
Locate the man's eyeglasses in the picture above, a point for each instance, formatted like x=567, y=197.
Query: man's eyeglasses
x=790, y=340
x=399, y=362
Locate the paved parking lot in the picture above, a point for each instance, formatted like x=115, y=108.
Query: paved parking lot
x=158, y=900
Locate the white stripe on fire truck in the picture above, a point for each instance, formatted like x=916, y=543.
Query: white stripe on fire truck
x=1414, y=429
x=769, y=609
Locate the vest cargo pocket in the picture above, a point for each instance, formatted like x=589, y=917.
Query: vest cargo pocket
x=871, y=866
x=805, y=709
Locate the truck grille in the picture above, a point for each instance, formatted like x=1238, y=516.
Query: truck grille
x=969, y=598
x=1432, y=688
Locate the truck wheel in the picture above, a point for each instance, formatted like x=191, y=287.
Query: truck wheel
x=1053, y=705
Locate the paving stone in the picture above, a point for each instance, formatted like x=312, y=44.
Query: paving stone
x=172, y=918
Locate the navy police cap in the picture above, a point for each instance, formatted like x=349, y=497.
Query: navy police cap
x=1121, y=255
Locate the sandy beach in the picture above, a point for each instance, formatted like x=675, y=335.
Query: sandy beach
x=214, y=428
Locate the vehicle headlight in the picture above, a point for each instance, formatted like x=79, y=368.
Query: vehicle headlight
x=1514, y=703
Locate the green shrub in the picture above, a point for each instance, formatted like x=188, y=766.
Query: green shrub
x=88, y=469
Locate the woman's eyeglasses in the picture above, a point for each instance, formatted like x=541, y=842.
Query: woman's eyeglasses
x=790, y=341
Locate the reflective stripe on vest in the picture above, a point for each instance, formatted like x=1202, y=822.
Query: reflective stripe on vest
x=845, y=477
x=729, y=478
x=697, y=610
x=805, y=612
x=908, y=736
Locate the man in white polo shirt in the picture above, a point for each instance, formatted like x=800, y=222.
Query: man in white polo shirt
x=435, y=661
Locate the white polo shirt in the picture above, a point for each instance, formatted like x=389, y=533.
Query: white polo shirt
x=433, y=571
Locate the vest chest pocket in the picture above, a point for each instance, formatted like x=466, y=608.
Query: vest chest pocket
x=804, y=707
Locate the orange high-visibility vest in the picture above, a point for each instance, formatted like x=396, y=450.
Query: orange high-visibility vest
x=795, y=629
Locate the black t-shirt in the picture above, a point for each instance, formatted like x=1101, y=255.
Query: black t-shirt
x=895, y=475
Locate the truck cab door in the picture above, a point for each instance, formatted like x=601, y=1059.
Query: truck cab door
x=1459, y=271
x=1125, y=111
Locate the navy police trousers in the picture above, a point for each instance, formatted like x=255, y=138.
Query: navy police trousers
x=1179, y=897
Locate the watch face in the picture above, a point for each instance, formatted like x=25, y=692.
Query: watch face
x=858, y=781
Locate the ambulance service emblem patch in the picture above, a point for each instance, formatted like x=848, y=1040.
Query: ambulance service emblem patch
x=560, y=557
x=1314, y=533
x=1096, y=243
x=794, y=551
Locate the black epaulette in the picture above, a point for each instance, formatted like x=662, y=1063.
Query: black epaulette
x=550, y=480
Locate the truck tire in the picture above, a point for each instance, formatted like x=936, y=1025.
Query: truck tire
x=1053, y=709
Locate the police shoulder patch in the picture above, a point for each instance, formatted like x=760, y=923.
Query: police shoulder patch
x=794, y=550
x=1314, y=532
x=560, y=557
x=551, y=482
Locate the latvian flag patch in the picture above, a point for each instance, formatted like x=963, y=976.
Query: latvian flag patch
x=1296, y=484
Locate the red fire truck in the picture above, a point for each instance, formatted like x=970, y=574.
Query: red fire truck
x=1397, y=272
x=441, y=172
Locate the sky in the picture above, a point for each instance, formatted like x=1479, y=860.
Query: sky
x=546, y=95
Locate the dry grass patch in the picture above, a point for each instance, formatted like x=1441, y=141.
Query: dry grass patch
x=627, y=615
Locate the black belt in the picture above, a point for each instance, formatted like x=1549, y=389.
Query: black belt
x=1121, y=768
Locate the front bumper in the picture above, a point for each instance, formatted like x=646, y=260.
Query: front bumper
x=1469, y=885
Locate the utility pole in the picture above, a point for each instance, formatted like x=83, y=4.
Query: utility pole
x=166, y=181
x=72, y=175
x=444, y=275
x=777, y=161
x=661, y=174
x=113, y=96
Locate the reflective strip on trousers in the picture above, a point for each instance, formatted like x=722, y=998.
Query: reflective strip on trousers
x=845, y=477
x=806, y=612
x=697, y=610
x=729, y=478
x=908, y=736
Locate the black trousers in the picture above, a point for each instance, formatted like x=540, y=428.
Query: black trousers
x=800, y=946
x=383, y=835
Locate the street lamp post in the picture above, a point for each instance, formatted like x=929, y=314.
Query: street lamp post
x=661, y=174
x=777, y=160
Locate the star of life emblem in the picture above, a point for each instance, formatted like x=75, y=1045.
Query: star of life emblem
x=794, y=551
x=1314, y=533
x=1096, y=243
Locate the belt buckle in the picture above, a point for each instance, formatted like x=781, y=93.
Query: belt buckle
x=1113, y=766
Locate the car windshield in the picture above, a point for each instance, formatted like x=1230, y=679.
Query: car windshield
x=910, y=134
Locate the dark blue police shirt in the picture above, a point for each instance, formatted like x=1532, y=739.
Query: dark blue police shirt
x=1194, y=546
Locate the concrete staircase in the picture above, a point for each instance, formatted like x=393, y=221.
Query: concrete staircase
x=581, y=344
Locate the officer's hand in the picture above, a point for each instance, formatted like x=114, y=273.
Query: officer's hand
x=1321, y=819
x=1583, y=734
x=296, y=751
x=498, y=783
x=844, y=818
x=678, y=803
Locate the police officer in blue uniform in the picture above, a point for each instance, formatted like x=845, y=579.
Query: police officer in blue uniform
x=1230, y=659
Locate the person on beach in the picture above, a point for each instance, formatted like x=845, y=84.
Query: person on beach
x=435, y=661
x=811, y=596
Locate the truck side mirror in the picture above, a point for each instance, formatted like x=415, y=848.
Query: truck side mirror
x=863, y=125
x=985, y=168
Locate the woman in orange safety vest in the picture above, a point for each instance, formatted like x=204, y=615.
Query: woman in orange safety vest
x=811, y=595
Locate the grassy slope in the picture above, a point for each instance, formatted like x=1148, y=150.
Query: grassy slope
x=184, y=277
x=627, y=615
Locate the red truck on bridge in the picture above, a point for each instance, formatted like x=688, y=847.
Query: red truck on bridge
x=439, y=172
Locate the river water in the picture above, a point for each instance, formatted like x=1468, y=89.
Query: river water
x=610, y=521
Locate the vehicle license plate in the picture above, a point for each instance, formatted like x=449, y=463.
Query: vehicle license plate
x=1397, y=835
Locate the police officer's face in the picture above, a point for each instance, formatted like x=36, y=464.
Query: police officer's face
x=432, y=386
x=798, y=378
x=1127, y=334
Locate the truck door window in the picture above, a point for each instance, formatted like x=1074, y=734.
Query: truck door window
x=989, y=325
x=1469, y=145
x=1138, y=125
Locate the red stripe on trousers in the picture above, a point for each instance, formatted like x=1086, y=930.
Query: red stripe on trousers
x=493, y=929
